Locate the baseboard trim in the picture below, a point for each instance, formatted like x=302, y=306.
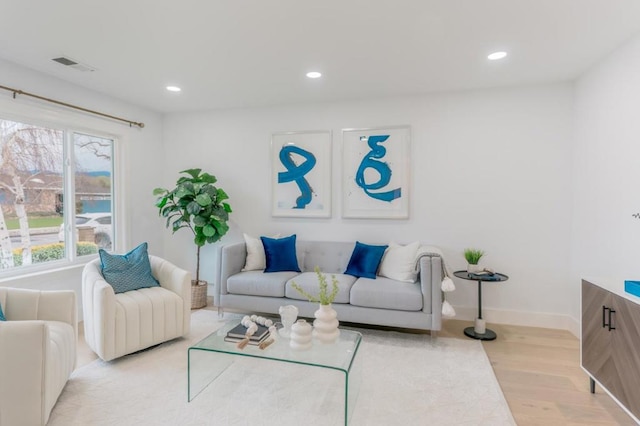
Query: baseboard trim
x=527, y=319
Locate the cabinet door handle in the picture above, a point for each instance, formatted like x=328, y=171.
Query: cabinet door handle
x=604, y=316
x=611, y=312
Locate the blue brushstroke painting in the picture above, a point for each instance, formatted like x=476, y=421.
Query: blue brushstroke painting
x=371, y=160
x=296, y=173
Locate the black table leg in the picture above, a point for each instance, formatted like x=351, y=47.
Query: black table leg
x=480, y=299
x=470, y=331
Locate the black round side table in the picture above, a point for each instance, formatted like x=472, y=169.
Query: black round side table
x=495, y=278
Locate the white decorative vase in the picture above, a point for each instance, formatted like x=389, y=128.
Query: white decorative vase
x=325, y=326
x=472, y=269
x=301, y=338
x=288, y=315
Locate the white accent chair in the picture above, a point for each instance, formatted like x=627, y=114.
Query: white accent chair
x=37, y=352
x=123, y=323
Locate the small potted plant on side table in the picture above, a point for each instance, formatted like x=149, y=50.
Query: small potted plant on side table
x=195, y=203
x=473, y=257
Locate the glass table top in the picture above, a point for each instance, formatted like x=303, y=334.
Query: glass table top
x=338, y=355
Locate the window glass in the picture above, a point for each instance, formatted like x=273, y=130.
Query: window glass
x=93, y=173
x=81, y=219
x=34, y=186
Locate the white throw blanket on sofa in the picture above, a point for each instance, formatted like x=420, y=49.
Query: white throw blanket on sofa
x=447, y=282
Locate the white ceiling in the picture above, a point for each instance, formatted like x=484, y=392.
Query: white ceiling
x=226, y=53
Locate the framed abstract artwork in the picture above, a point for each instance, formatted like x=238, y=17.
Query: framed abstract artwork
x=301, y=174
x=375, y=172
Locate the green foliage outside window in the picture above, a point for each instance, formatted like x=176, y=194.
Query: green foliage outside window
x=55, y=251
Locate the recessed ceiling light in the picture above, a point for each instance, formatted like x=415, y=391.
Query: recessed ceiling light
x=497, y=55
x=314, y=74
x=174, y=89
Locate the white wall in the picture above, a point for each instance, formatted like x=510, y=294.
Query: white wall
x=141, y=150
x=490, y=169
x=605, y=239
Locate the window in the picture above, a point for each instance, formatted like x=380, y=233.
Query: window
x=56, y=195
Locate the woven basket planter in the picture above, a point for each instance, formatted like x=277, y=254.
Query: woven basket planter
x=198, y=294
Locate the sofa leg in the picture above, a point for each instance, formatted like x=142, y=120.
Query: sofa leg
x=434, y=334
x=220, y=312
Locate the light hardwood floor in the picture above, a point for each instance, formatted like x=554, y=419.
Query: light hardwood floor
x=538, y=370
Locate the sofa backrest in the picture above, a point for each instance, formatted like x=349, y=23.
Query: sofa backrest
x=331, y=256
x=26, y=304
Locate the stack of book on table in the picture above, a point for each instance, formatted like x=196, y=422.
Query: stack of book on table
x=238, y=333
x=484, y=275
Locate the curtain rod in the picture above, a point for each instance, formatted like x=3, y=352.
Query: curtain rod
x=113, y=117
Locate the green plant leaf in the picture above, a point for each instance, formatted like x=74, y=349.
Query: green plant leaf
x=200, y=221
x=221, y=227
x=200, y=240
x=193, y=172
x=209, y=231
x=184, y=190
x=193, y=208
x=158, y=191
x=227, y=207
x=206, y=177
x=221, y=195
x=203, y=200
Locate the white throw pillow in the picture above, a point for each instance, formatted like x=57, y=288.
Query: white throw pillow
x=256, y=260
x=399, y=262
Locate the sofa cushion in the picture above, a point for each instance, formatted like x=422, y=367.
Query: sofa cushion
x=330, y=257
x=127, y=272
x=257, y=283
x=256, y=260
x=309, y=283
x=280, y=254
x=399, y=262
x=365, y=260
x=386, y=293
x=145, y=317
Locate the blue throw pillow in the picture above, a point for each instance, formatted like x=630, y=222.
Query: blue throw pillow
x=365, y=260
x=131, y=271
x=280, y=254
x=2, y=318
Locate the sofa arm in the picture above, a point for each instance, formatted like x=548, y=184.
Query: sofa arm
x=430, y=284
x=171, y=277
x=22, y=363
x=99, y=309
x=176, y=280
x=232, y=261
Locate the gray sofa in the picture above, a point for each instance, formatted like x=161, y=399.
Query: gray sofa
x=380, y=301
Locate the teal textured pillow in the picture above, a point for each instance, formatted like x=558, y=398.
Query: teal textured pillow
x=131, y=271
x=2, y=318
x=365, y=260
x=280, y=254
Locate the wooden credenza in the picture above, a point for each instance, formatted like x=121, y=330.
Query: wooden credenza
x=610, y=341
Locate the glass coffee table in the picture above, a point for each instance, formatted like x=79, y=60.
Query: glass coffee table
x=210, y=357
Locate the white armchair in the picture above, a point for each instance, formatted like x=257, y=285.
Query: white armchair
x=37, y=352
x=123, y=323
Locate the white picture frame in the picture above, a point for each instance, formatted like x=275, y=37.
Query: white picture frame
x=376, y=172
x=301, y=174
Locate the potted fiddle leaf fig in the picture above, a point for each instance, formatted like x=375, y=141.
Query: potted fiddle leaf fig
x=198, y=205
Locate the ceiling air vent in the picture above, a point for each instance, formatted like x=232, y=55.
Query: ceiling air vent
x=73, y=64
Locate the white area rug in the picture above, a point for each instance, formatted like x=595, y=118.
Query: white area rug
x=406, y=379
